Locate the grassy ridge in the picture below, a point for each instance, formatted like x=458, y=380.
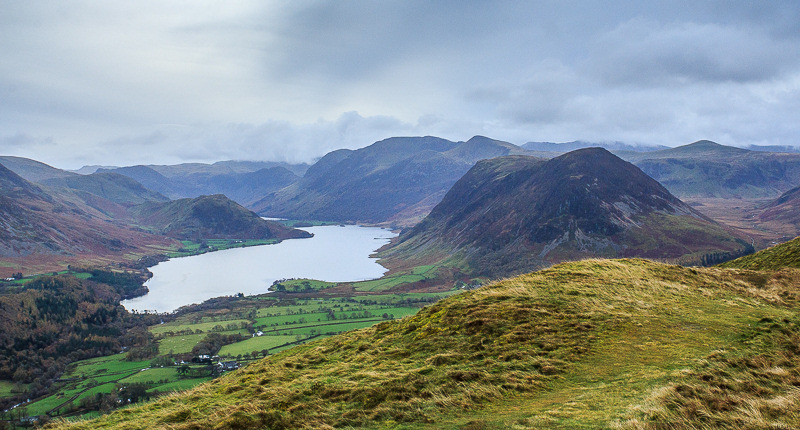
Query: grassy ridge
x=775, y=258
x=624, y=344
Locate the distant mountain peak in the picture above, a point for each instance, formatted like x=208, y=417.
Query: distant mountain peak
x=706, y=143
x=707, y=146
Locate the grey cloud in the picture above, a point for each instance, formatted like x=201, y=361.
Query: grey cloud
x=643, y=52
x=283, y=80
x=272, y=140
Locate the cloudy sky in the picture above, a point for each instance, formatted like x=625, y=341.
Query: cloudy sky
x=121, y=83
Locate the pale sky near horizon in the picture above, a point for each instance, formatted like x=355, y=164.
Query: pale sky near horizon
x=163, y=82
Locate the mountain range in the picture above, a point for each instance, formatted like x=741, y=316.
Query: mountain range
x=564, y=147
x=708, y=169
x=398, y=182
x=242, y=181
x=515, y=214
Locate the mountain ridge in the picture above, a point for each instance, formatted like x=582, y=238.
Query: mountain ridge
x=388, y=180
x=705, y=169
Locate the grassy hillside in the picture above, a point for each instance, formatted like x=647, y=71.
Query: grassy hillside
x=590, y=344
x=774, y=258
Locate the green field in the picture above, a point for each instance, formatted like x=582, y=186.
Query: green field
x=103, y=375
x=194, y=248
x=269, y=322
x=111, y=364
x=285, y=322
x=417, y=274
x=179, y=344
x=177, y=326
x=151, y=375
x=6, y=388
x=257, y=343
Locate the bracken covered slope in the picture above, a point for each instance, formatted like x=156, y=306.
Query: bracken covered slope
x=785, y=208
x=39, y=226
x=590, y=344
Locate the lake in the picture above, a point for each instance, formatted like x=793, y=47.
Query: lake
x=334, y=254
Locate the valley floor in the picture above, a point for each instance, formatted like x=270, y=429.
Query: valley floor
x=743, y=215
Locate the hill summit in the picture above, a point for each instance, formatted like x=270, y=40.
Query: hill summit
x=518, y=213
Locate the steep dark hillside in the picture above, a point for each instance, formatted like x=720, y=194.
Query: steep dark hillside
x=209, y=217
x=785, y=208
x=708, y=169
x=628, y=344
x=40, y=228
x=514, y=214
x=114, y=187
x=397, y=180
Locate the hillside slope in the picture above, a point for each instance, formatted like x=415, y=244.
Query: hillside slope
x=514, y=214
x=785, y=208
x=778, y=257
x=110, y=186
x=32, y=170
x=396, y=181
x=590, y=344
x=209, y=217
x=41, y=230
